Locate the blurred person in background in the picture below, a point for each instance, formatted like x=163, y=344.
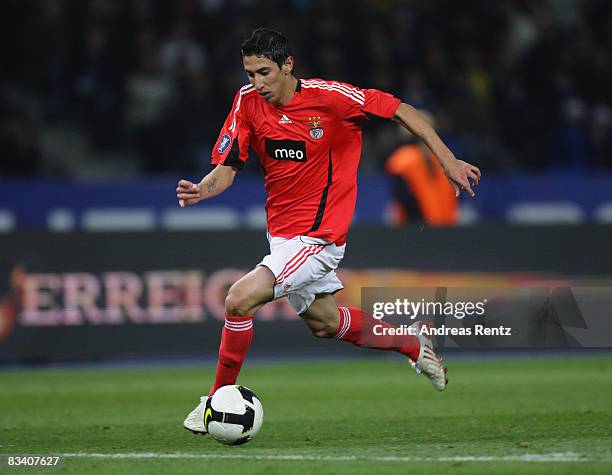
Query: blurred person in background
x=307, y=134
x=421, y=191
x=601, y=135
x=183, y=59
x=20, y=147
x=98, y=89
x=149, y=96
x=569, y=142
x=181, y=51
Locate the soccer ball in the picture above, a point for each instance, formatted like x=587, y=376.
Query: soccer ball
x=233, y=415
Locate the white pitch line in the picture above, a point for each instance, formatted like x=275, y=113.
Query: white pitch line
x=553, y=457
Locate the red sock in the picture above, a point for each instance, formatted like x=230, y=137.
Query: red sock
x=356, y=326
x=235, y=341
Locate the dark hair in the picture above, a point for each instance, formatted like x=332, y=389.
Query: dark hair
x=269, y=44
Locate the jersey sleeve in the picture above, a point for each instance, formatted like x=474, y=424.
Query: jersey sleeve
x=355, y=102
x=232, y=146
x=381, y=104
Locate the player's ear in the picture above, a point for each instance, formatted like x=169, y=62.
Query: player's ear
x=287, y=67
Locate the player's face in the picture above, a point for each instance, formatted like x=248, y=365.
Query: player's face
x=268, y=79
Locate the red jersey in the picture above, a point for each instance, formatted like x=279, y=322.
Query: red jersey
x=309, y=150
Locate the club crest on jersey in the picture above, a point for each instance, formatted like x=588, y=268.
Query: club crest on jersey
x=226, y=140
x=316, y=132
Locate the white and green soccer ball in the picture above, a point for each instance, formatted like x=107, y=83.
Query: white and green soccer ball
x=233, y=415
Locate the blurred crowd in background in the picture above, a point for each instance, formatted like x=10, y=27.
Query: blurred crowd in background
x=141, y=87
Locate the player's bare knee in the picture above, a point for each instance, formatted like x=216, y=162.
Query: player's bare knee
x=321, y=329
x=325, y=332
x=237, y=304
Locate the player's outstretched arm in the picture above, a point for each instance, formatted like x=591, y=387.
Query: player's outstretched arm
x=213, y=184
x=458, y=172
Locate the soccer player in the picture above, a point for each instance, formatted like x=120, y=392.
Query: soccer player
x=307, y=134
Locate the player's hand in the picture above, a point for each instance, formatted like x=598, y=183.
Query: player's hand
x=188, y=193
x=463, y=176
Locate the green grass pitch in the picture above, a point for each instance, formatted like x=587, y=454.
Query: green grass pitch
x=524, y=415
